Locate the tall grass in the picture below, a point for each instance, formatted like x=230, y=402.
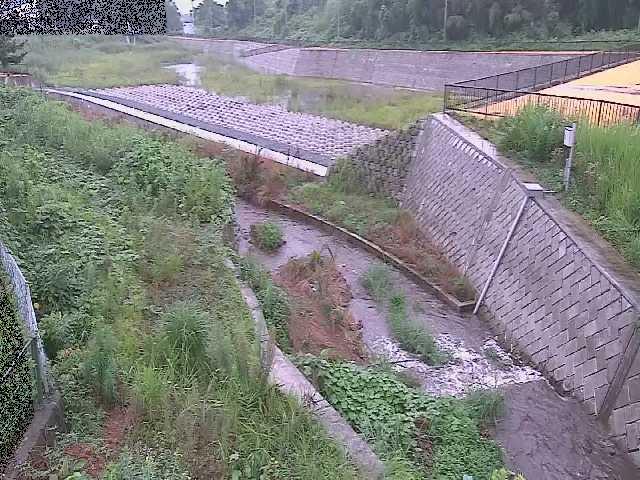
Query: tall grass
x=96, y=61
x=375, y=106
x=605, y=186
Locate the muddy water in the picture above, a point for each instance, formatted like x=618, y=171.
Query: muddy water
x=545, y=436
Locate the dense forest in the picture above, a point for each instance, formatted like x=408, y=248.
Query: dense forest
x=415, y=19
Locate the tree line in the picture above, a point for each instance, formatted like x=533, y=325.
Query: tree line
x=417, y=19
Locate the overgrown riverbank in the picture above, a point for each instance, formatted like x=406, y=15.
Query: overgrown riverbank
x=120, y=235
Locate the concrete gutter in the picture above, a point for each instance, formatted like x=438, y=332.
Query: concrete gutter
x=198, y=131
x=290, y=381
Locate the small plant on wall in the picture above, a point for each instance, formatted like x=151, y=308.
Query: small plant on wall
x=267, y=236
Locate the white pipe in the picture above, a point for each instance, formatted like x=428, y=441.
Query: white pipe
x=241, y=145
x=500, y=255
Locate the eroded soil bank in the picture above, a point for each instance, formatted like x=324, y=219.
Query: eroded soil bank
x=545, y=436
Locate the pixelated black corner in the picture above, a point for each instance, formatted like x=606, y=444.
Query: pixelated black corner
x=109, y=17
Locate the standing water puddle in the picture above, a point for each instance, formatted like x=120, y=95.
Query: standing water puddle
x=188, y=73
x=545, y=436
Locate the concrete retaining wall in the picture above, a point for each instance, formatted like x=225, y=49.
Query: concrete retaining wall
x=409, y=69
x=427, y=70
x=559, y=295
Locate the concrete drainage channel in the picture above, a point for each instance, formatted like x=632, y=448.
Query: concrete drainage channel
x=289, y=380
x=575, y=448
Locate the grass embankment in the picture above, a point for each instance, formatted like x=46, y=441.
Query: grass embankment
x=119, y=234
x=99, y=61
x=368, y=105
x=605, y=183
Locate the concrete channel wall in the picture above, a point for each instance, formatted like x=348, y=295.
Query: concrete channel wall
x=424, y=70
x=399, y=68
x=556, y=294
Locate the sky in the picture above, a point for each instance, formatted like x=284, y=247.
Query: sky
x=185, y=5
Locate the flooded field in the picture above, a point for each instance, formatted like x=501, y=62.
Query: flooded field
x=545, y=436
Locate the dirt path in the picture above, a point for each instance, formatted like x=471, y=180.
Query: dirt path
x=545, y=436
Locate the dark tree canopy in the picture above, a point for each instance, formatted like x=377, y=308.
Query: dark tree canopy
x=401, y=19
x=11, y=51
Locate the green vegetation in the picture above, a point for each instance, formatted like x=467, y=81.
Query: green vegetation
x=173, y=345
x=605, y=186
x=416, y=435
x=418, y=22
x=11, y=51
x=411, y=336
x=267, y=236
x=376, y=106
x=344, y=201
x=17, y=389
x=95, y=61
x=273, y=300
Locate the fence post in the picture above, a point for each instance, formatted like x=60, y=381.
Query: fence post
x=591, y=66
x=535, y=78
x=599, y=112
x=517, y=80
x=566, y=67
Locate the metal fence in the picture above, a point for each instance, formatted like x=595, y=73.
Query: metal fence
x=550, y=74
x=505, y=94
x=507, y=103
x=33, y=345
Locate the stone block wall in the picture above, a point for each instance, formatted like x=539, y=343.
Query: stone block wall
x=385, y=163
x=555, y=296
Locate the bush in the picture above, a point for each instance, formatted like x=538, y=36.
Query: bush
x=534, y=133
x=267, y=236
x=185, y=339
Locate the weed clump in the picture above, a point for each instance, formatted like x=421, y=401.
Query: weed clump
x=267, y=236
x=412, y=337
x=273, y=300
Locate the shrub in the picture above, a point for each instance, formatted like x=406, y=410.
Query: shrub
x=267, y=236
x=534, y=133
x=60, y=331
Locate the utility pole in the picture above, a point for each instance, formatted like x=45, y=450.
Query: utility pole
x=446, y=14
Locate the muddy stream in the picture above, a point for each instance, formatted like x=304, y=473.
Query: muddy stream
x=544, y=436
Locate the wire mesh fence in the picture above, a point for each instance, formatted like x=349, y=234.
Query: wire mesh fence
x=507, y=103
x=33, y=345
x=506, y=94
